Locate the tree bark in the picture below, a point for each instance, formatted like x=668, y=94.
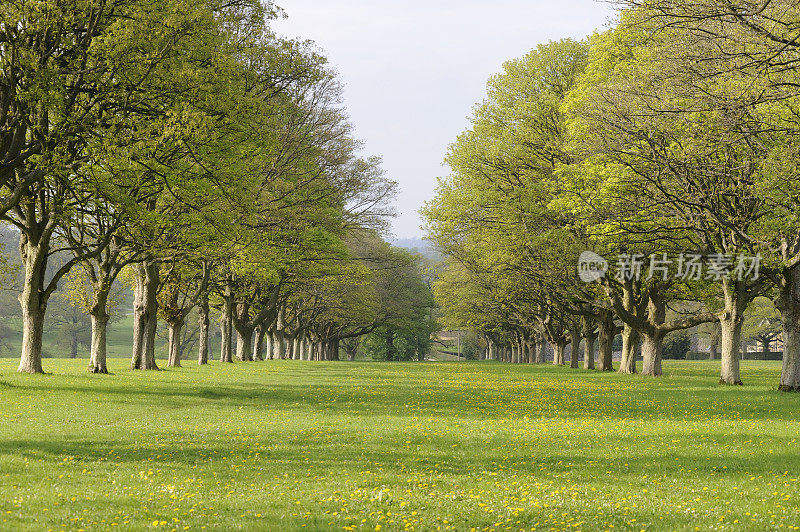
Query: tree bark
x=653, y=337
x=278, y=335
x=765, y=343
x=588, y=342
x=33, y=302
x=606, y=341
x=268, y=345
x=558, y=356
x=574, y=349
x=296, y=353
x=101, y=287
x=202, y=342
x=174, y=359
x=731, y=320
x=528, y=351
x=258, y=353
x=244, y=332
x=244, y=344
x=139, y=316
x=652, y=349
x=226, y=326
x=788, y=303
x=280, y=345
x=630, y=338
x=97, y=354
x=145, y=316
x=541, y=347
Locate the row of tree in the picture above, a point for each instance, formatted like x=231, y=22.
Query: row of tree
x=668, y=144
x=184, y=145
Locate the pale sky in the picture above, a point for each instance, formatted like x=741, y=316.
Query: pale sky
x=413, y=70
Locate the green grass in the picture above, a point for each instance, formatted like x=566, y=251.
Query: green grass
x=283, y=445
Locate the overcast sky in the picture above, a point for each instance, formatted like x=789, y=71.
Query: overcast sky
x=413, y=70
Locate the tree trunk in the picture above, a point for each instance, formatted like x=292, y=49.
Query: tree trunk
x=731, y=327
x=153, y=279
x=653, y=337
x=606, y=341
x=33, y=313
x=630, y=338
x=574, y=349
x=202, y=342
x=788, y=302
x=244, y=343
x=97, y=355
x=588, y=342
x=174, y=359
x=226, y=326
x=241, y=321
x=99, y=317
x=558, y=356
x=289, y=339
x=652, y=349
x=33, y=303
x=258, y=353
x=765, y=343
x=139, y=316
x=145, y=320
x=268, y=345
x=280, y=345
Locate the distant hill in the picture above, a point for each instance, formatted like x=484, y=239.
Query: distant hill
x=420, y=245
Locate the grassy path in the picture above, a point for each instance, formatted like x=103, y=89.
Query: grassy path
x=331, y=446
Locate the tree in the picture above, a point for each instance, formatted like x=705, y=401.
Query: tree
x=493, y=215
x=754, y=44
x=97, y=72
x=646, y=127
x=762, y=323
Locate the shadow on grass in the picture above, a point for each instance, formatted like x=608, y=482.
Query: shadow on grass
x=569, y=399
x=306, y=455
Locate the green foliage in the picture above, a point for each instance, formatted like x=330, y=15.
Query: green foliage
x=409, y=320
x=492, y=216
x=676, y=345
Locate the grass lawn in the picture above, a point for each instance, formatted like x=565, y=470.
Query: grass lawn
x=283, y=445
